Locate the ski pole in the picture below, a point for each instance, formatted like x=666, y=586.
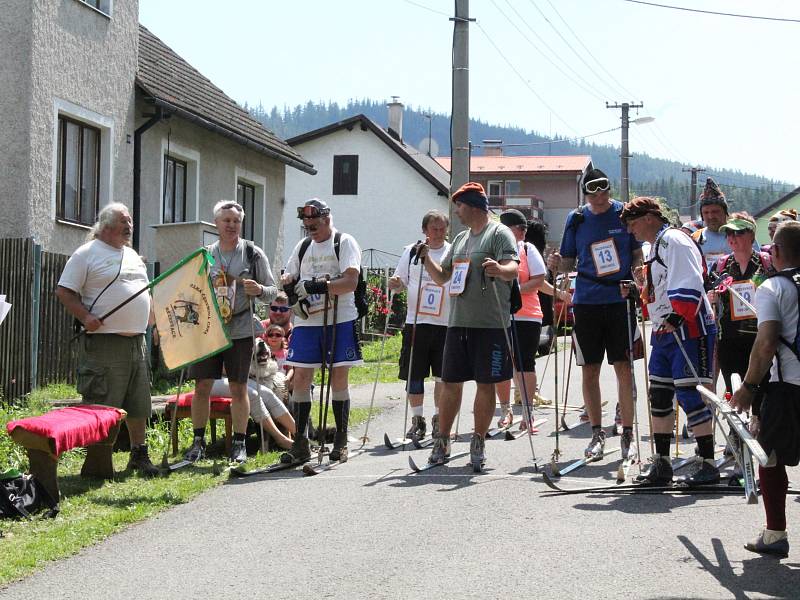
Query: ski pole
x=513, y=349
x=323, y=372
x=254, y=363
x=566, y=387
x=411, y=350
x=365, y=437
x=330, y=374
x=647, y=382
x=557, y=450
x=631, y=303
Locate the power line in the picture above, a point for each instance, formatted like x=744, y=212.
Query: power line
x=524, y=81
x=712, y=12
x=556, y=141
x=428, y=8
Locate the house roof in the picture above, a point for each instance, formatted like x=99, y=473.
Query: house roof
x=423, y=164
x=181, y=89
x=774, y=207
x=524, y=164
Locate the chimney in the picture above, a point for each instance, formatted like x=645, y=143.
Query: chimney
x=493, y=147
x=396, y=118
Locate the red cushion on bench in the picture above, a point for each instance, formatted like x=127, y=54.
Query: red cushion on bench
x=73, y=426
x=218, y=403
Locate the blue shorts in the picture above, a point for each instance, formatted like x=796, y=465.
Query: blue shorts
x=305, y=346
x=669, y=371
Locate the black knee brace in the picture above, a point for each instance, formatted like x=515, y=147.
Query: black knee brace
x=661, y=399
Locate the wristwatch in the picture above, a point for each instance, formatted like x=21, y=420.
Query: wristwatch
x=751, y=387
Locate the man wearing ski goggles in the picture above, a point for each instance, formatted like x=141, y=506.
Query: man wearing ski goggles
x=597, y=185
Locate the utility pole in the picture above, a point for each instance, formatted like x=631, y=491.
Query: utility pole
x=693, y=191
x=459, y=151
x=624, y=156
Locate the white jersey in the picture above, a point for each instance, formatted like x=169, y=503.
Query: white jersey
x=96, y=264
x=776, y=300
x=675, y=278
x=434, y=304
x=320, y=261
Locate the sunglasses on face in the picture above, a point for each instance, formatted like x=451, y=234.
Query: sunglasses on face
x=597, y=185
x=275, y=335
x=279, y=309
x=308, y=212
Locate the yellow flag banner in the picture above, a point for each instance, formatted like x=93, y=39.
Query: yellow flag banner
x=189, y=325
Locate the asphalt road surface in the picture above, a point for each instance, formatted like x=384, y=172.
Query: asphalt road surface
x=372, y=529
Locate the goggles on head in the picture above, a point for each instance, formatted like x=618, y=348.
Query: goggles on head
x=597, y=185
x=310, y=212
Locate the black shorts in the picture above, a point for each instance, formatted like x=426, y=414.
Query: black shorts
x=428, y=351
x=733, y=355
x=235, y=359
x=780, y=422
x=527, y=337
x=479, y=355
x=599, y=330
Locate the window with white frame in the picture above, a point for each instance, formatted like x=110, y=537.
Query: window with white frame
x=77, y=171
x=175, y=171
x=104, y=6
x=246, y=197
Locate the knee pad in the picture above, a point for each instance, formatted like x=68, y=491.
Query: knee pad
x=415, y=386
x=692, y=404
x=661, y=395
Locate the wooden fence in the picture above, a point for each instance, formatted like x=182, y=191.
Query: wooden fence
x=35, y=346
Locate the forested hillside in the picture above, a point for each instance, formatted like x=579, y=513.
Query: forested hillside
x=649, y=175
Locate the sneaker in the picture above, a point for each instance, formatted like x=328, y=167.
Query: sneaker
x=196, y=451
x=435, y=426
x=441, y=450
x=770, y=542
x=659, y=473
x=418, y=428
x=140, y=461
x=705, y=473
x=507, y=420
x=625, y=442
x=299, y=452
x=238, y=452
x=477, y=456
x=597, y=446
x=339, y=450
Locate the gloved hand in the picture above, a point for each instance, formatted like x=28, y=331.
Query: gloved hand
x=306, y=288
x=288, y=289
x=418, y=252
x=300, y=309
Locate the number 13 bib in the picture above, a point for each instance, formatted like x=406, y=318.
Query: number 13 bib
x=606, y=258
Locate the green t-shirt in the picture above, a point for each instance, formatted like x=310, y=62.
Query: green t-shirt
x=476, y=306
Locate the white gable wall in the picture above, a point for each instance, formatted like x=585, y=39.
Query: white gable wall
x=392, y=196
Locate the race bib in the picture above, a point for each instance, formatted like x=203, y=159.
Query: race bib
x=432, y=298
x=316, y=303
x=747, y=290
x=606, y=258
x=458, y=281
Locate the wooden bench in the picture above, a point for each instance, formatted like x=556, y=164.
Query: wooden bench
x=47, y=436
x=220, y=409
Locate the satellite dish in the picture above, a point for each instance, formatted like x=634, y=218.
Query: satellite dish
x=434, y=146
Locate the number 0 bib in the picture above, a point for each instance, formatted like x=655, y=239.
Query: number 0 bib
x=606, y=258
x=431, y=302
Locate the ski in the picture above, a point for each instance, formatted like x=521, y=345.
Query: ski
x=311, y=469
x=495, y=431
x=426, y=466
x=419, y=445
x=396, y=444
x=238, y=472
x=176, y=466
x=577, y=464
x=569, y=427
x=625, y=466
x=515, y=435
x=631, y=488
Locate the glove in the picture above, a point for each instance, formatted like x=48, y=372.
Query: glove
x=288, y=289
x=300, y=309
x=418, y=252
x=306, y=288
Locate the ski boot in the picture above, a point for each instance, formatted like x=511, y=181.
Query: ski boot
x=770, y=542
x=418, y=428
x=435, y=426
x=477, y=456
x=196, y=451
x=596, y=447
x=238, y=452
x=705, y=473
x=140, y=461
x=507, y=419
x=339, y=450
x=625, y=442
x=299, y=452
x=441, y=450
x=660, y=472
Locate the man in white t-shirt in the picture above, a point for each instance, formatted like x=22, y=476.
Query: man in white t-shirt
x=432, y=309
x=776, y=420
x=112, y=356
x=322, y=266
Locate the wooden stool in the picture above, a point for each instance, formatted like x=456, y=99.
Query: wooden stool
x=220, y=409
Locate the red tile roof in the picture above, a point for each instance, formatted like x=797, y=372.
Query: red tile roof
x=523, y=164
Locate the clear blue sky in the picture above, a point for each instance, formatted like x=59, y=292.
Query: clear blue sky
x=723, y=90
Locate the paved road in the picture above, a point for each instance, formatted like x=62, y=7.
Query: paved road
x=370, y=529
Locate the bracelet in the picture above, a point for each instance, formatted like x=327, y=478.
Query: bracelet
x=751, y=387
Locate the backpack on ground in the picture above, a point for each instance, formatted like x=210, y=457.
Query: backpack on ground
x=21, y=495
x=360, y=293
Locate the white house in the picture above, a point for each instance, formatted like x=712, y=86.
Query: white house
x=378, y=187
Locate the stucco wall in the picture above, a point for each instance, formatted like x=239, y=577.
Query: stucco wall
x=15, y=83
x=214, y=165
x=86, y=61
x=392, y=197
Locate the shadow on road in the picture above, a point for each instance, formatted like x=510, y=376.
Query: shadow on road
x=760, y=575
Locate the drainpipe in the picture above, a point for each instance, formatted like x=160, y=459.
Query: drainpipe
x=137, y=171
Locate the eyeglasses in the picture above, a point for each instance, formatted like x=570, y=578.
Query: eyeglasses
x=279, y=309
x=275, y=335
x=597, y=185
